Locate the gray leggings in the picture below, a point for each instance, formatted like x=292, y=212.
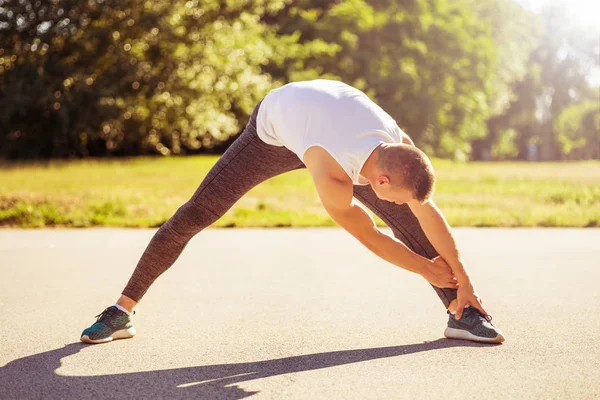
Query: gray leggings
x=248, y=162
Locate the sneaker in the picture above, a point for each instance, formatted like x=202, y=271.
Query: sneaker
x=473, y=325
x=111, y=324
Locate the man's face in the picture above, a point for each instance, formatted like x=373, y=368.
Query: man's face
x=385, y=191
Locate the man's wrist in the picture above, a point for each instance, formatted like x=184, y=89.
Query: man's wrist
x=460, y=273
x=425, y=267
x=463, y=280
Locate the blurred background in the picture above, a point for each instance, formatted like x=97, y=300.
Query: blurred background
x=468, y=80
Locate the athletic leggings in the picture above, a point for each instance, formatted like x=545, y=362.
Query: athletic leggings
x=248, y=162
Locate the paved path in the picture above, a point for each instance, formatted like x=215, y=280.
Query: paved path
x=296, y=314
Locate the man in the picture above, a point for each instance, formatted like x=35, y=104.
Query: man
x=353, y=150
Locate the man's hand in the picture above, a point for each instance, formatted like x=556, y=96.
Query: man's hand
x=438, y=232
x=335, y=190
x=440, y=274
x=467, y=296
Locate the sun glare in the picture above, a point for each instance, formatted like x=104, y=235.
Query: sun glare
x=584, y=12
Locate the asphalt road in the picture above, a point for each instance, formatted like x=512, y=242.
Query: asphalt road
x=297, y=314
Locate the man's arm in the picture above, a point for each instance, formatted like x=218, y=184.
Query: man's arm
x=438, y=232
x=352, y=216
x=336, y=193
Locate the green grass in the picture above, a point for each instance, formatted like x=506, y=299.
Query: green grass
x=145, y=192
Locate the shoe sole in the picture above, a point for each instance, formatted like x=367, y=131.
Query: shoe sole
x=453, y=333
x=121, y=334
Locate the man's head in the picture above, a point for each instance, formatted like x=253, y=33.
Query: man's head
x=403, y=173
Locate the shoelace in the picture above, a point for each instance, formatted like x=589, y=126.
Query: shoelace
x=104, y=314
x=487, y=317
x=108, y=312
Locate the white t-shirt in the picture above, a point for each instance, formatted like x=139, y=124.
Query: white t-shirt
x=330, y=114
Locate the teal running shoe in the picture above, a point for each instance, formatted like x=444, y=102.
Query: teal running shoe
x=473, y=325
x=111, y=324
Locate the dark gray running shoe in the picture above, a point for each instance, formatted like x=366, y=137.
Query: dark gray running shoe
x=473, y=325
x=111, y=324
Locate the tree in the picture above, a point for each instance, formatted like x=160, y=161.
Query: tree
x=428, y=63
x=556, y=78
x=102, y=77
x=578, y=130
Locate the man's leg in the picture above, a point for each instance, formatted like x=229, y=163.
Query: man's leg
x=473, y=325
x=406, y=228
x=248, y=162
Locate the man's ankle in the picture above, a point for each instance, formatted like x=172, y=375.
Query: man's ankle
x=127, y=303
x=121, y=308
x=452, y=306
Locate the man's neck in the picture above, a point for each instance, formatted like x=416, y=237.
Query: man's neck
x=369, y=169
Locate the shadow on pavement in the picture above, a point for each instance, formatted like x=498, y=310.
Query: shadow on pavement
x=34, y=377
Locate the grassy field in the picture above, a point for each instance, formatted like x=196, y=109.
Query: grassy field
x=145, y=192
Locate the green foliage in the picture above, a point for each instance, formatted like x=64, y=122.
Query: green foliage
x=578, y=128
x=36, y=215
x=106, y=77
x=98, y=192
x=556, y=80
x=427, y=63
x=505, y=147
x=125, y=77
x=515, y=32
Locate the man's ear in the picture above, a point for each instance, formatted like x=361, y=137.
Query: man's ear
x=382, y=180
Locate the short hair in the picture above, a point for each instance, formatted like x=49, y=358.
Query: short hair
x=409, y=168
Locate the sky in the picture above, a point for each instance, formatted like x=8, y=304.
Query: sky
x=586, y=12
